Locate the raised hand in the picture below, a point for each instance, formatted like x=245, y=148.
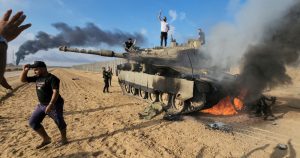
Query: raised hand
x=10, y=28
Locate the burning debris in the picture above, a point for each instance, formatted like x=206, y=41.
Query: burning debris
x=227, y=106
x=263, y=107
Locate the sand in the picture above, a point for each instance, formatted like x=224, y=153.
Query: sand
x=107, y=125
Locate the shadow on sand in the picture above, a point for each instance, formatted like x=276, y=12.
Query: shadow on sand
x=94, y=110
x=82, y=154
x=126, y=129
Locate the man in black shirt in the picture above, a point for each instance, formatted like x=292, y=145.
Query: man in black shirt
x=50, y=101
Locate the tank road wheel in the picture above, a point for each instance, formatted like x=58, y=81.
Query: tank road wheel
x=177, y=103
x=143, y=94
x=198, y=102
x=153, y=97
x=164, y=98
x=127, y=88
x=133, y=90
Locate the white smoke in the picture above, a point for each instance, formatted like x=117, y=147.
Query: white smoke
x=229, y=41
x=173, y=15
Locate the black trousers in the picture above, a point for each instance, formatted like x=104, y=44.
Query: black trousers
x=106, y=85
x=163, y=36
x=109, y=81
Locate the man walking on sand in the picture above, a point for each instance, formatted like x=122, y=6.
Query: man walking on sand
x=50, y=101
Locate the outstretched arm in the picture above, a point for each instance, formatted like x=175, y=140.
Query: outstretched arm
x=5, y=84
x=23, y=76
x=159, y=16
x=3, y=53
x=10, y=28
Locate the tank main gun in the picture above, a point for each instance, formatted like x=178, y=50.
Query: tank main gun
x=106, y=53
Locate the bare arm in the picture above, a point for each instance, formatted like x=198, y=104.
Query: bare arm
x=5, y=84
x=159, y=16
x=10, y=28
x=53, y=100
x=23, y=76
x=3, y=54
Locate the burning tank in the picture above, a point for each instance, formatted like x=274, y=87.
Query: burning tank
x=172, y=75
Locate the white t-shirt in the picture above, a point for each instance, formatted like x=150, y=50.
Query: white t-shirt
x=164, y=26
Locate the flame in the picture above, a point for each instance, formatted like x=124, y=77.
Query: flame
x=225, y=107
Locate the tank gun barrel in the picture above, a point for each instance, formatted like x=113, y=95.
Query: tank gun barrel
x=106, y=53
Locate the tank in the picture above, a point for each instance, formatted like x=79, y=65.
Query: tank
x=172, y=75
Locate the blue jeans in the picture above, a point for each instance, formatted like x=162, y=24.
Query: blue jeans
x=39, y=114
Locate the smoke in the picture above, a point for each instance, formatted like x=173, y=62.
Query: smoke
x=228, y=42
x=90, y=35
x=173, y=15
x=265, y=63
x=263, y=39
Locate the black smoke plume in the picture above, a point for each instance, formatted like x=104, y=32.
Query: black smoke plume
x=265, y=64
x=90, y=35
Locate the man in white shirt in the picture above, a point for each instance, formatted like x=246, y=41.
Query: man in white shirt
x=164, y=27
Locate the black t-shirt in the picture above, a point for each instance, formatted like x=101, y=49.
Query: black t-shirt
x=44, y=87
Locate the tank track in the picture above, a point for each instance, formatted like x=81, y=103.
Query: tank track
x=169, y=109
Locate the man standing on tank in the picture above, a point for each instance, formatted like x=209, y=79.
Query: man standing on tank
x=164, y=27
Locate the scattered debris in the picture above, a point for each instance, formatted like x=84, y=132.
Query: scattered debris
x=151, y=111
x=75, y=78
x=274, y=123
x=170, y=117
x=282, y=146
x=219, y=126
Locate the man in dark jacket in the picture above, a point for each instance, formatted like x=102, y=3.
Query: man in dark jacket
x=110, y=74
x=50, y=101
x=105, y=75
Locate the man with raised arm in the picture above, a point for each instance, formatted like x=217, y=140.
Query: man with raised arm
x=164, y=28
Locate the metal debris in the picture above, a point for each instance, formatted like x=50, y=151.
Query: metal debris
x=274, y=123
x=282, y=146
x=220, y=126
x=170, y=117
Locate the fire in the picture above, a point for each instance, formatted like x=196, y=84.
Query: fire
x=225, y=107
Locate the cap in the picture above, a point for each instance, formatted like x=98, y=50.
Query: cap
x=37, y=64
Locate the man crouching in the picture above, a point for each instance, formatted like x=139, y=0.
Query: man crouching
x=50, y=101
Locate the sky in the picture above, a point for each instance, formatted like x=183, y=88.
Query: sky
x=134, y=16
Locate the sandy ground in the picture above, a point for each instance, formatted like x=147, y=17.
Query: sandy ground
x=107, y=125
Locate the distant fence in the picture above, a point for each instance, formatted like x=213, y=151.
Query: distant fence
x=97, y=67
